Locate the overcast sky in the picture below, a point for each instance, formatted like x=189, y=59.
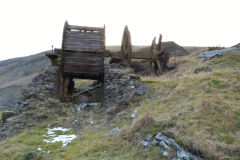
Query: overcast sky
x=31, y=26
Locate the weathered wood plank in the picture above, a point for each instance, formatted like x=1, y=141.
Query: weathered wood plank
x=83, y=44
x=82, y=54
x=85, y=71
x=73, y=64
x=83, y=58
x=88, y=69
x=85, y=49
x=85, y=28
x=83, y=41
x=85, y=76
x=71, y=61
x=84, y=37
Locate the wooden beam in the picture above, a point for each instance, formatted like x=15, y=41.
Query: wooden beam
x=85, y=28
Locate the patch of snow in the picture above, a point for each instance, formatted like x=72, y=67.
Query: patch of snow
x=60, y=129
x=52, y=137
x=91, y=122
x=95, y=104
x=133, y=115
x=65, y=139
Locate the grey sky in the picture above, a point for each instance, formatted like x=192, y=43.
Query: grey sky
x=32, y=26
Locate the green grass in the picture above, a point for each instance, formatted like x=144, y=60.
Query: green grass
x=200, y=110
x=83, y=83
x=94, y=141
x=89, y=145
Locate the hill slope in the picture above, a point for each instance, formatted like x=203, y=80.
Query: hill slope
x=172, y=47
x=197, y=104
x=16, y=74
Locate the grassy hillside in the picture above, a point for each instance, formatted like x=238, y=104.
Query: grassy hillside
x=192, y=49
x=16, y=74
x=200, y=111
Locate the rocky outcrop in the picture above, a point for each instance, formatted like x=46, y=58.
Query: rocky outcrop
x=122, y=86
x=28, y=111
x=211, y=54
x=170, y=148
x=38, y=102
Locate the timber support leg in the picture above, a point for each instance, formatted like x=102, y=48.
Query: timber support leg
x=70, y=86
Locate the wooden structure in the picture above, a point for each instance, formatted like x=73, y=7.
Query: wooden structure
x=83, y=51
x=156, y=56
x=81, y=56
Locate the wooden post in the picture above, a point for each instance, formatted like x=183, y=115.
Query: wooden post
x=126, y=47
x=63, y=36
x=61, y=86
x=152, y=48
x=159, y=45
x=57, y=82
x=70, y=86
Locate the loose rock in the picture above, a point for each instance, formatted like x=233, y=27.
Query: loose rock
x=6, y=115
x=115, y=130
x=141, y=91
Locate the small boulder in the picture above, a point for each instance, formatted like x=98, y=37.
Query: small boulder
x=3, y=134
x=33, y=156
x=49, y=87
x=115, y=131
x=145, y=143
x=148, y=137
x=141, y=91
x=6, y=115
x=123, y=102
x=30, y=132
x=134, y=77
x=154, y=142
x=111, y=111
x=202, y=69
x=80, y=107
x=60, y=111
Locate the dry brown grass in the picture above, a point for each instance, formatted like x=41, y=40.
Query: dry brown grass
x=143, y=125
x=203, y=108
